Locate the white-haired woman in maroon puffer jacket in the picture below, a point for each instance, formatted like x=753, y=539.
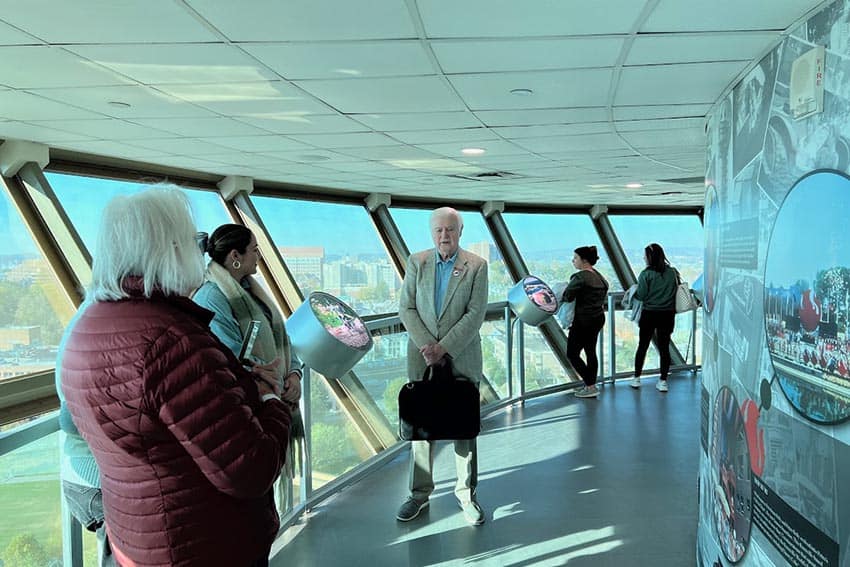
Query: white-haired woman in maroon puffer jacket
x=188, y=442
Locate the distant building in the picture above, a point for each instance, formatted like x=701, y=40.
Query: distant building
x=480, y=249
x=305, y=264
x=15, y=337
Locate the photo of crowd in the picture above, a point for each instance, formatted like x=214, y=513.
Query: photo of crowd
x=340, y=320
x=731, y=476
x=807, y=299
x=540, y=294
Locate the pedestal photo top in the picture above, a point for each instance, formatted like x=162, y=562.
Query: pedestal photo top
x=328, y=335
x=532, y=300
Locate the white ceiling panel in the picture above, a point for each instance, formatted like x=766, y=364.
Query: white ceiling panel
x=182, y=146
x=351, y=140
x=380, y=95
x=267, y=143
x=508, y=18
x=307, y=20
x=144, y=102
x=298, y=168
x=542, y=116
x=400, y=122
x=113, y=149
x=661, y=124
x=492, y=147
x=452, y=135
x=246, y=159
x=663, y=84
x=37, y=133
x=468, y=56
x=109, y=129
x=305, y=124
x=209, y=63
x=391, y=154
x=99, y=21
x=25, y=106
x=41, y=66
x=551, y=89
x=262, y=99
x=201, y=127
x=660, y=111
x=699, y=47
x=12, y=36
x=310, y=156
x=539, y=131
x=571, y=143
x=724, y=15
x=343, y=59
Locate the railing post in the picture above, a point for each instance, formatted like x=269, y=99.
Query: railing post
x=612, y=336
x=509, y=355
x=520, y=341
x=307, y=415
x=694, y=337
x=72, y=533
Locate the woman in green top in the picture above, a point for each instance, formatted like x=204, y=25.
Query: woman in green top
x=656, y=287
x=589, y=290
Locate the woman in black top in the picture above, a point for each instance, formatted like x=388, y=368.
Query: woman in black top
x=589, y=290
x=656, y=287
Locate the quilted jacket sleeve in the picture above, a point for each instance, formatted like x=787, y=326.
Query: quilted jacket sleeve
x=211, y=406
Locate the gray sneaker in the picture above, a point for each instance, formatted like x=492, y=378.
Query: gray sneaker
x=410, y=509
x=472, y=512
x=587, y=392
x=661, y=385
x=635, y=383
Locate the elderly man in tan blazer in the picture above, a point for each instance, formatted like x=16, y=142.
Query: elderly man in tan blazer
x=443, y=303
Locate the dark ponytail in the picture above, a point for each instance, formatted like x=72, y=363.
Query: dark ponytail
x=656, y=259
x=588, y=254
x=228, y=237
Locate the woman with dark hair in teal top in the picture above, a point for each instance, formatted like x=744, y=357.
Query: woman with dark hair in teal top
x=656, y=287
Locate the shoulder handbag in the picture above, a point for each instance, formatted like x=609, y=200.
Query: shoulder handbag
x=440, y=406
x=685, y=300
x=566, y=309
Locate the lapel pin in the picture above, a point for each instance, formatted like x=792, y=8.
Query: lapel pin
x=456, y=273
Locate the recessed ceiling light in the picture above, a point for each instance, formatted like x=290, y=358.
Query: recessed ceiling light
x=522, y=92
x=473, y=151
x=634, y=185
x=119, y=104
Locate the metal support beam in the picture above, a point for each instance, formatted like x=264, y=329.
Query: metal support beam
x=551, y=331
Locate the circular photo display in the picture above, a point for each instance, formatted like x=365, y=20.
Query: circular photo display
x=807, y=297
x=731, y=477
x=340, y=320
x=540, y=294
x=712, y=237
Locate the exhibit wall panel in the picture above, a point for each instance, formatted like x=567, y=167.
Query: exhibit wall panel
x=776, y=385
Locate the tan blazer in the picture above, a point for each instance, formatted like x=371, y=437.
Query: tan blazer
x=457, y=327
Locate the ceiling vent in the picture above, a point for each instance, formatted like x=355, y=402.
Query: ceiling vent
x=489, y=176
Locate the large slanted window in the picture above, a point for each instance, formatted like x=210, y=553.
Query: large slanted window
x=33, y=308
x=84, y=199
x=683, y=241
x=414, y=225
x=546, y=242
x=332, y=247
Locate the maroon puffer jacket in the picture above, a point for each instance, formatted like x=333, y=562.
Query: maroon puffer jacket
x=187, y=451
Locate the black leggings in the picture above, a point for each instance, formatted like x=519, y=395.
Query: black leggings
x=582, y=337
x=650, y=322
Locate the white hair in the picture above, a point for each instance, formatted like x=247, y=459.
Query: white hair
x=446, y=212
x=149, y=234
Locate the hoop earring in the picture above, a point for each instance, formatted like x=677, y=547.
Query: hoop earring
x=237, y=264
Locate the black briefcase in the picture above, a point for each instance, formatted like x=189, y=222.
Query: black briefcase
x=439, y=407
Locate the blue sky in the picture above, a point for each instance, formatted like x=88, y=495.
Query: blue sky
x=346, y=229
x=810, y=232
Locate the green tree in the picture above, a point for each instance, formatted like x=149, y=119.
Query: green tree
x=391, y=397
x=34, y=309
x=376, y=292
x=24, y=551
x=330, y=447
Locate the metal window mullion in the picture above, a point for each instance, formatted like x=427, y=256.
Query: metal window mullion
x=390, y=237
